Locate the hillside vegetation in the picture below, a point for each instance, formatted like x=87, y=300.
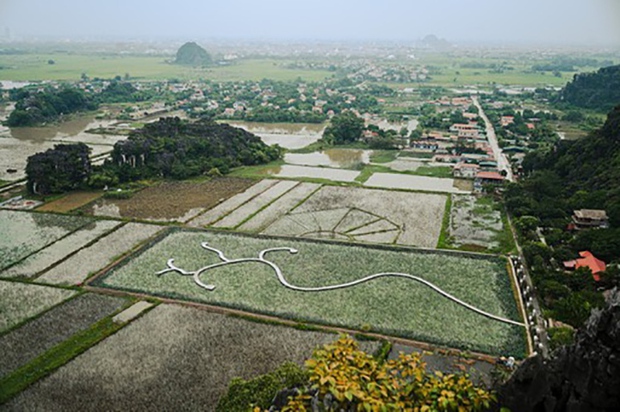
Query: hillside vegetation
x=580, y=174
x=38, y=107
x=173, y=148
x=598, y=91
x=193, y=55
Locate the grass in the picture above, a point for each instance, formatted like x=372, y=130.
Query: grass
x=383, y=156
x=434, y=171
x=418, y=155
x=34, y=67
x=444, y=241
x=381, y=306
x=55, y=358
x=369, y=170
x=319, y=146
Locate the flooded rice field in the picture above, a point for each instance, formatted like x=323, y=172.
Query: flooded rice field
x=338, y=158
x=410, y=182
x=287, y=135
x=338, y=175
x=17, y=144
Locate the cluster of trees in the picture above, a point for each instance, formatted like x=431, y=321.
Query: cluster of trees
x=573, y=175
x=38, y=107
x=569, y=64
x=344, y=128
x=169, y=148
x=172, y=148
x=598, y=91
x=63, y=168
x=121, y=92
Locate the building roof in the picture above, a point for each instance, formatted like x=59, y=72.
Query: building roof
x=594, y=214
x=587, y=260
x=490, y=176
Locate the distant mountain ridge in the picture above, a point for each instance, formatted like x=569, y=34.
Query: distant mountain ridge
x=599, y=90
x=192, y=54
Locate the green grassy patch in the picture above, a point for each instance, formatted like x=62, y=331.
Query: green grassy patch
x=368, y=171
x=383, y=156
x=434, y=171
x=320, y=145
x=444, y=241
x=34, y=67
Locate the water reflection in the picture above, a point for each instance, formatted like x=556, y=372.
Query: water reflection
x=340, y=158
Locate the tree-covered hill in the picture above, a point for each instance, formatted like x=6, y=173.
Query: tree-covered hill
x=37, y=107
x=178, y=149
x=579, y=174
x=192, y=54
x=598, y=91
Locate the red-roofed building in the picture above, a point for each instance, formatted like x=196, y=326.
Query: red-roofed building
x=487, y=178
x=587, y=260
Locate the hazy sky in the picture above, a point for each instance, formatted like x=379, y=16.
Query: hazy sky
x=532, y=21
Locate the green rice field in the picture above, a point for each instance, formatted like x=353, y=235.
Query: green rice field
x=393, y=306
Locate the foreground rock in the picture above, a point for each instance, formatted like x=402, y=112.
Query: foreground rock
x=584, y=376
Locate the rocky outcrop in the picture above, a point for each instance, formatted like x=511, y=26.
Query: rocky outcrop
x=584, y=376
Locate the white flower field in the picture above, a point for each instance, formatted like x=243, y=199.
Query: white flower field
x=387, y=305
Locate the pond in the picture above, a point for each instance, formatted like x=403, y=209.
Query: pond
x=287, y=135
x=17, y=144
x=295, y=171
x=339, y=158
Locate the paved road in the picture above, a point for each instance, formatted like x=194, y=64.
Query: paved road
x=500, y=157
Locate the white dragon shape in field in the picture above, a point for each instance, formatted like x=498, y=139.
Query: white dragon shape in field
x=196, y=274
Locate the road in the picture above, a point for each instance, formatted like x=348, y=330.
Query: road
x=500, y=157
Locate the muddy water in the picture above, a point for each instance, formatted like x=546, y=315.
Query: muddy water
x=339, y=158
x=287, y=135
x=294, y=171
x=17, y=144
x=73, y=130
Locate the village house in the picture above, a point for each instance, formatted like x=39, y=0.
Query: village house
x=465, y=170
x=487, y=178
x=590, y=218
x=506, y=120
x=587, y=260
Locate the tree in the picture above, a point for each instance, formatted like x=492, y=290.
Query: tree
x=357, y=381
x=344, y=128
x=65, y=167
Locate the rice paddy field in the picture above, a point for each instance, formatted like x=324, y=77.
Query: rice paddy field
x=25, y=343
x=393, y=306
x=20, y=301
x=171, y=201
x=172, y=358
x=95, y=257
x=23, y=234
x=347, y=212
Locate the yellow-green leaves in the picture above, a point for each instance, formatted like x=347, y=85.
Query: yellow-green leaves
x=359, y=382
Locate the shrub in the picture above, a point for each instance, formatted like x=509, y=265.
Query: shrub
x=357, y=381
x=260, y=391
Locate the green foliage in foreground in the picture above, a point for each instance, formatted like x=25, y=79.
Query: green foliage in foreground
x=560, y=336
x=56, y=357
x=355, y=380
x=260, y=391
x=393, y=306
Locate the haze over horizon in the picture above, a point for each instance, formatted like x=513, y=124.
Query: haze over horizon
x=571, y=22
